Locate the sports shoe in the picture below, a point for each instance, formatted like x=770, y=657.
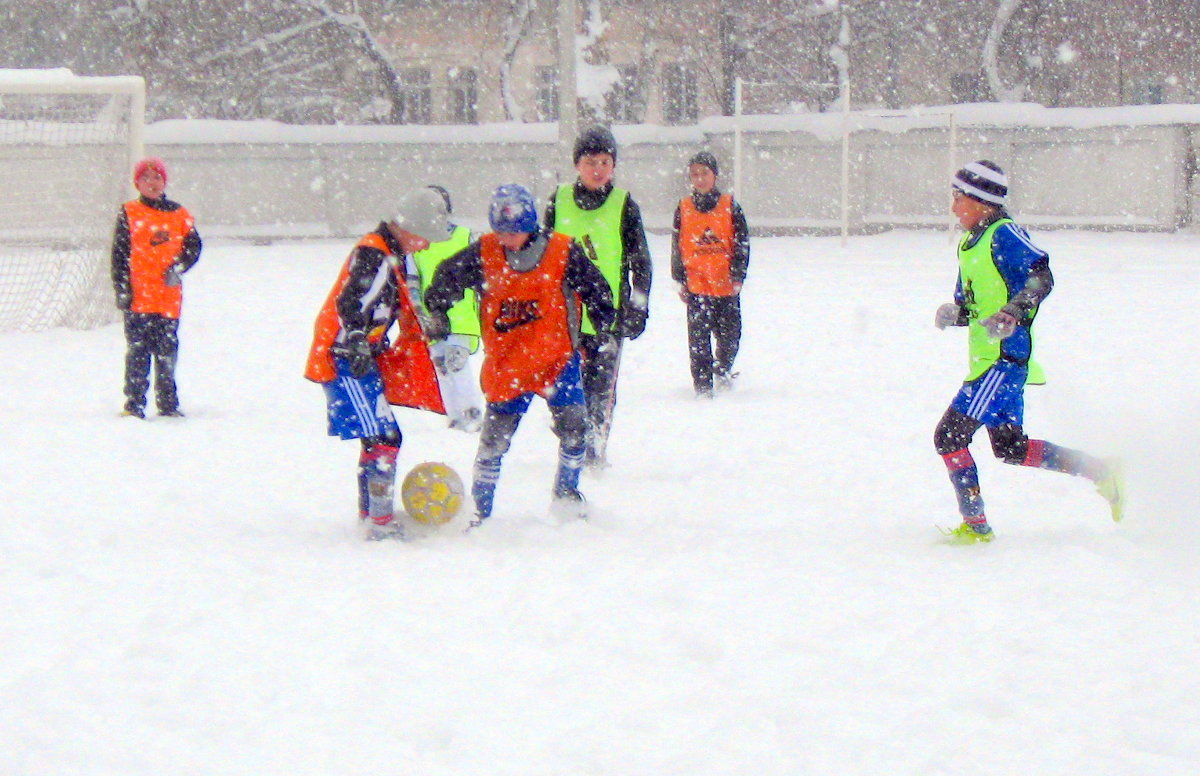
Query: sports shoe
x=175, y=413
x=723, y=383
x=569, y=504
x=134, y=412
x=1111, y=488
x=969, y=534
x=388, y=531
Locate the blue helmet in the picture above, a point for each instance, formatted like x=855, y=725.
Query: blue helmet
x=513, y=209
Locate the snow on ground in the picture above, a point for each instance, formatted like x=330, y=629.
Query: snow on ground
x=760, y=591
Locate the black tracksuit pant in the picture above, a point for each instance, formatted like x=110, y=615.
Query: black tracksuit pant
x=713, y=320
x=150, y=335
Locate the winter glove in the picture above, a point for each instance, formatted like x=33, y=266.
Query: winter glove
x=124, y=301
x=608, y=342
x=946, y=315
x=436, y=326
x=172, y=277
x=633, y=322
x=357, y=352
x=1001, y=325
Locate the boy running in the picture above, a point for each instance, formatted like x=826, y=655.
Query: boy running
x=1002, y=280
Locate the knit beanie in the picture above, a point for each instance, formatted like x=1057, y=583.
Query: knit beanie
x=706, y=159
x=513, y=210
x=595, y=140
x=423, y=213
x=150, y=163
x=982, y=180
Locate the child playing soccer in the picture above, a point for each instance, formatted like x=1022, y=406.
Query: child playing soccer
x=528, y=284
x=607, y=221
x=364, y=365
x=1002, y=280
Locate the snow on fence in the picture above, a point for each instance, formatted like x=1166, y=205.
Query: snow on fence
x=1114, y=168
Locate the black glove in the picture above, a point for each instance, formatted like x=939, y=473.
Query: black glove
x=357, y=352
x=173, y=277
x=606, y=342
x=436, y=325
x=633, y=322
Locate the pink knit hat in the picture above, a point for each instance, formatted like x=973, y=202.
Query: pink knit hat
x=150, y=163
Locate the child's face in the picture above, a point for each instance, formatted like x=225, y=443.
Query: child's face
x=150, y=184
x=513, y=241
x=969, y=211
x=703, y=178
x=595, y=170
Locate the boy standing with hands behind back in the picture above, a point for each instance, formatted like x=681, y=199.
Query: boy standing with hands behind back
x=710, y=253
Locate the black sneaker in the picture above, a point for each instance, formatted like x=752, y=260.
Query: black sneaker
x=134, y=412
x=175, y=413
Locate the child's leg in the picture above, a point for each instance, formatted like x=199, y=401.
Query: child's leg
x=377, y=481
x=566, y=402
x=137, y=361
x=499, y=425
x=728, y=333
x=166, y=351
x=1011, y=445
x=700, y=354
x=951, y=438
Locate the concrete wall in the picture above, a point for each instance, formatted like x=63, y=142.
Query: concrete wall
x=1124, y=177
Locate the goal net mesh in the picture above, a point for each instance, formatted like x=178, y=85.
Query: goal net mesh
x=66, y=165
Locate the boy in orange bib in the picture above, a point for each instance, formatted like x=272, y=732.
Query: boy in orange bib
x=529, y=284
x=154, y=244
x=710, y=254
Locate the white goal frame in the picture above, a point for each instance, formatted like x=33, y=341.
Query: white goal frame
x=68, y=175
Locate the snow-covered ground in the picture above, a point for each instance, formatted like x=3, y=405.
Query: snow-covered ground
x=760, y=591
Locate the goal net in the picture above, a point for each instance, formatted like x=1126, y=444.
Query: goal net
x=67, y=149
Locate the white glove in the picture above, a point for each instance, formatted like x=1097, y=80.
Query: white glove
x=946, y=315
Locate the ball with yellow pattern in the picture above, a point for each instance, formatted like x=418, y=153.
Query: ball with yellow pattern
x=432, y=493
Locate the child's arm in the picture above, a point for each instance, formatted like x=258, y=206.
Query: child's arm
x=120, y=263
x=585, y=279
x=741, y=248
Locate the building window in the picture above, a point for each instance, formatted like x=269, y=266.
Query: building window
x=680, y=105
x=623, y=105
x=969, y=87
x=547, y=93
x=415, y=105
x=463, y=97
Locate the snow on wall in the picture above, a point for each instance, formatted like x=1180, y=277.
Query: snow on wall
x=1101, y=167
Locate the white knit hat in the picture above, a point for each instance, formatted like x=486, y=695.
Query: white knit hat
x=423, y=212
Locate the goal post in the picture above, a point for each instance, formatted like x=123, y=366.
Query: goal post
x=67, y=148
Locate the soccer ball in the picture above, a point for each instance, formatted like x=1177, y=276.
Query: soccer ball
x=432, y=493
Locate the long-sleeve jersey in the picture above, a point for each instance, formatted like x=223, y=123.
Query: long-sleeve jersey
x=369, y=301
x=636, y=268
x=464, y=270
x=1025, y=269
x=739, y=262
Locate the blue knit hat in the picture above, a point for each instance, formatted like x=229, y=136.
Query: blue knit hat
x=513, y=210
